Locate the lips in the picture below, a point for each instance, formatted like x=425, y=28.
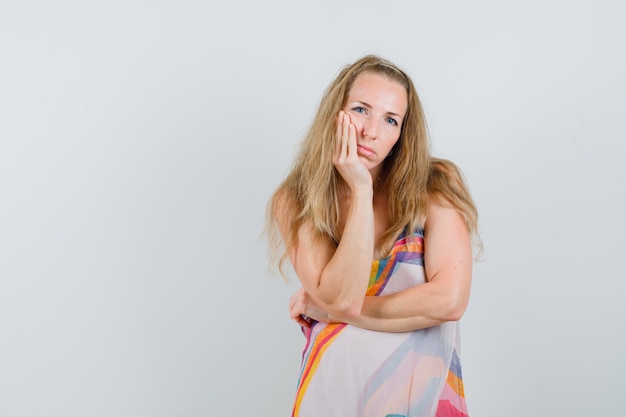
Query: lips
x=365, y=150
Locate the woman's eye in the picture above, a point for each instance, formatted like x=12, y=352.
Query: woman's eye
x=392, y=121
x=358, y=109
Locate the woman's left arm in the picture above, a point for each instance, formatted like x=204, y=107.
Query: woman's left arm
x=445, y=295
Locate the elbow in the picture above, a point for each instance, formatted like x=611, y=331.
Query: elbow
x=455, y=314
x=343, y=304
x=344, y=310
x=352, y=311
x=455, y=309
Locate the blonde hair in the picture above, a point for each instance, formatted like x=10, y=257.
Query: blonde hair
x=310, y=191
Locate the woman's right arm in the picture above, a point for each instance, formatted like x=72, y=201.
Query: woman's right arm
x=337, y=276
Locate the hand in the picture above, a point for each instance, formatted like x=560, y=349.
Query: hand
x=302, y=308
x=346, y=159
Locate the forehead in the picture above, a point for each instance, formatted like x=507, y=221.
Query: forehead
x=379, y=90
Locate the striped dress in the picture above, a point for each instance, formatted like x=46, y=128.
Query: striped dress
x=352, y=372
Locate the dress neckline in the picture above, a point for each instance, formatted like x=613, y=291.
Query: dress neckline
x=400, y=241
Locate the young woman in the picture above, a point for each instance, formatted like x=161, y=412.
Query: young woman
x=380, y=235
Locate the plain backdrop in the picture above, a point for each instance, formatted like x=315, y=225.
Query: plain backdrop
x=140, y=141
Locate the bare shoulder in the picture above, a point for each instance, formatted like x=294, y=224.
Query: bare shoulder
x=282, y=207
x=446, y=232
x=440, y=210
x=282, y=202
x=305, y=245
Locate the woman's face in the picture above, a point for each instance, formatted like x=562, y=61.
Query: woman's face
x=376, y=105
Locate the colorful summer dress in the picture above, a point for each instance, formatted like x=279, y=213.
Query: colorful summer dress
x=348, y=371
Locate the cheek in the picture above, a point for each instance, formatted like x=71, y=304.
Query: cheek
x=392, y=142
x=357, y=120
x=392, y=137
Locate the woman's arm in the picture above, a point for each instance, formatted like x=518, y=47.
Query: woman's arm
x=336, y=276
x=445, y=295
x=448, y=265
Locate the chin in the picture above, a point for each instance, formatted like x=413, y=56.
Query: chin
x=368, y=162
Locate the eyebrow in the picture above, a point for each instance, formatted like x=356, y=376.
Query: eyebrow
x=369, y=106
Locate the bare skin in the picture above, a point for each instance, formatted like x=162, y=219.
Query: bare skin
x=335, y=277
x=444, y=297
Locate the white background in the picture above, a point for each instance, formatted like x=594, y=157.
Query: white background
x=140, y=140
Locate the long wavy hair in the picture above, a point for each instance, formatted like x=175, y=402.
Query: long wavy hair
x=311, y=190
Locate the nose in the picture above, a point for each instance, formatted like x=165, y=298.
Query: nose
x=370, y=128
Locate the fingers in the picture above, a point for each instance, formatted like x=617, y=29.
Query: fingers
x=297, y=309
x=345, y=141
x=351, y=139
x=299, y=318
x=345, y=132
x=338, y=135
x=302, y=322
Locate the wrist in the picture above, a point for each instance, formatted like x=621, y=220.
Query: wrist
x=362, y=193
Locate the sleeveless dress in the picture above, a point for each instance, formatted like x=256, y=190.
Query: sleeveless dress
x=348, y=371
